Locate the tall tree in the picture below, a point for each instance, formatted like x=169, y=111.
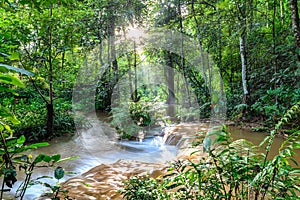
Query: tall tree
x=295, y=23
x=171, y=86
x=242, y=17
x=115, y=16
x=50, y=36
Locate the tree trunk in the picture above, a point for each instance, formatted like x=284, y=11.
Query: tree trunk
x=130, y=75
x=244, y=67
x=182, y=54
x=242, y=17
x=171, y=88
x=113, y=51
x=274, y=38
x=135, y=74
x=114, y=71
x=203, y=63
x=295, y=23
x=50, y=119
x=281, y=12
x=50, y=110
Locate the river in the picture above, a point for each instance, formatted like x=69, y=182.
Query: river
x=98, y=145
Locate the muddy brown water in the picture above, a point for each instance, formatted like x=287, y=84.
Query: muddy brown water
x=98, y=145
x=257, y=137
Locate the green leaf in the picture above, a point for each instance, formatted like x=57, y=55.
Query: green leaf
x=9, y=79
x=4, y=68
x=294, y=161
x=36, y=145
x=5, y=89
x=46, y=158
x=59, y=173
x=44, y=177
x=206, y=144
x=220, y=139
x=296, y=145
x=265, y=140
x=39, y=158
x=68, y=158
x=21, y=140
x=295, y=171
x=55, y=158
x=47, y=185
x=21, y=158
x=14, y=56
x=5, y=114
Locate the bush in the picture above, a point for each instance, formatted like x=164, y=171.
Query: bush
x=32, y=117
x=141, y=188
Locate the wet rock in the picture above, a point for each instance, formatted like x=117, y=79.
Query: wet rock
x=183, y=135
x=104, y=181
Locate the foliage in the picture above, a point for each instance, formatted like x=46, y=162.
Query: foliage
x=32, y=114
x=53, y=38
x=131, y=117
x=13, y=149
x=141, y=188
x=38, y=34
x=230, y=169
x=55, y=190
x=272, y=104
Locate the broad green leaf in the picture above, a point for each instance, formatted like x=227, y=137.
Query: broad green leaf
x=7, y=115
x=46, y=158
x=14, y=56
x=9, y=79
x=59, y=173
x=36, y=145
x=55, y=158
x=220, y=139
x=7, y=127
x=21, y=140
x=39, y=158
x=4, y=68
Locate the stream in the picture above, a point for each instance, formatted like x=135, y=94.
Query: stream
x=99, y=145
x=95, y=146
x=257, y=137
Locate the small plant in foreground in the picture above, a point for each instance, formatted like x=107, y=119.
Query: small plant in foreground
x=140, y=188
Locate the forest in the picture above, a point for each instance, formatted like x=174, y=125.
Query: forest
x=152, y=63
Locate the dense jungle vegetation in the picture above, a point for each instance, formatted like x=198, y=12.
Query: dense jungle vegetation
x=233, y=59
x=253, y=44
